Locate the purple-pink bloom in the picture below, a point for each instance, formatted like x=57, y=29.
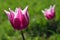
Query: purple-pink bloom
x=19, y=19
x=49, y=13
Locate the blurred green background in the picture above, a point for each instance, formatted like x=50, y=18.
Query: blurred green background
x=38, y=26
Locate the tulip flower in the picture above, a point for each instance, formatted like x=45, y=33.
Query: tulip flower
x=49, y=13
x=19, y=19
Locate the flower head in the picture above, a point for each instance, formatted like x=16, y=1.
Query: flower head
x=19, y=19
x=49, y=13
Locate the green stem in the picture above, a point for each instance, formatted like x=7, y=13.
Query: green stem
x=22, y=35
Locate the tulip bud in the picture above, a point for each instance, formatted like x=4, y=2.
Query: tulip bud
x=19, y=19
x=49, y=13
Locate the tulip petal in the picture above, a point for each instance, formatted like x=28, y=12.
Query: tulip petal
x=53, y=8
x=16, y=10
x=43, y=11
x=11, y=11
x=26, y=14
x=11, y=14
x=7, y=13
x=11, y=17
x=25, y=10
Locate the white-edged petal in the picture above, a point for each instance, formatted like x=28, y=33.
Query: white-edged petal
x=53, y=6
x=6, y=12
x=24, y=11
x=11, y=10
x=16, y=10
x=50, y=6
x=43, y=11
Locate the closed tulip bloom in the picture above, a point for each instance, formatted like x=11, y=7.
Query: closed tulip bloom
x=19, y=19
x=49, y=13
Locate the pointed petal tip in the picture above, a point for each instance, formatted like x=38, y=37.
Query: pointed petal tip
x=9, y=9
x=54, y=6
x=26, y=7
x=51, y=6
x=6, y=11
x=43, y=11
x=16, y=9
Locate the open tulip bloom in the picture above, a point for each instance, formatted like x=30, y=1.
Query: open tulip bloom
x=50, y=16
x=19, y=19
x=49, y=13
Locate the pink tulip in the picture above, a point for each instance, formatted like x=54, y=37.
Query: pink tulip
x=49, y=13
x=19, y=19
